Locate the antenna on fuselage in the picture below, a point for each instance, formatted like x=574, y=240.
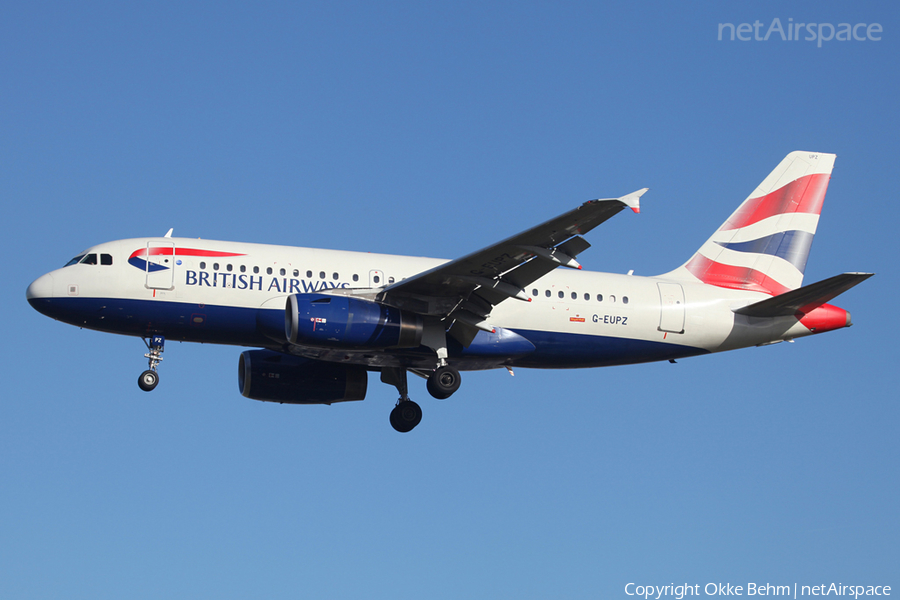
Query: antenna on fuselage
x=169, y=232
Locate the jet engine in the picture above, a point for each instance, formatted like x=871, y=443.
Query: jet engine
x=345, y=322
x=275, y=377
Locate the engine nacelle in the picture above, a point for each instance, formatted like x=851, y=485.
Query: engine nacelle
x=345, y=322
x=275, y=377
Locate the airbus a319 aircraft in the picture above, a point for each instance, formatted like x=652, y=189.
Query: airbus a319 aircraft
x=321, y=320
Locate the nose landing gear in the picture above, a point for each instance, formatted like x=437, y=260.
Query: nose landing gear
x=150, y=378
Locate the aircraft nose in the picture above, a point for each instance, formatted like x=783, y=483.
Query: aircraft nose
x=42, y=287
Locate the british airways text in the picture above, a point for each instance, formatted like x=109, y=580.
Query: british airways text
x=236, y=281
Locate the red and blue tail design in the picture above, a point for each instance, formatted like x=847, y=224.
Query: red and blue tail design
x=765, y=244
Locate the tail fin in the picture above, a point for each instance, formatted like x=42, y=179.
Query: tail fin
x=764, y=245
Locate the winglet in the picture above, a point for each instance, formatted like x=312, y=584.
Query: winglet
x=632, y=200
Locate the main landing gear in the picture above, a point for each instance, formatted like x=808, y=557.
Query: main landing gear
x=406, y=414
x=441, y=384
x=443, y=381
x=150, y=378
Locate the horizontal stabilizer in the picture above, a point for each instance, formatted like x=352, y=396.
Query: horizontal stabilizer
x=804, y=299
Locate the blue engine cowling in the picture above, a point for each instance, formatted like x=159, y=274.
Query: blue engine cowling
x=275, y=377
x=345, y=322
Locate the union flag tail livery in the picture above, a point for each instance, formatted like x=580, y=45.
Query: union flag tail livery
x=321, y=320
x=765, y=244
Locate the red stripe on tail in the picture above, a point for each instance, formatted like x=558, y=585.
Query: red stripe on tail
x=803, y=195
x=732, y=277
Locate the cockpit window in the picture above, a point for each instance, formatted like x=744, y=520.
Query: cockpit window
x=106, y=259
x=89, y=259
x=74, y=261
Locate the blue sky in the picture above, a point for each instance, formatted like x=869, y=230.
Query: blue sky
x=435, y=129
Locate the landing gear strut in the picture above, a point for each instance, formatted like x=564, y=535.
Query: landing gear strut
x=406, y=414
x=150, y=378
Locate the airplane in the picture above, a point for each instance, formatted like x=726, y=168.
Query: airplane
x=320, y=320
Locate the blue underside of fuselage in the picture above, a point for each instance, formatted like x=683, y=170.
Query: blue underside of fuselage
x=264, y=328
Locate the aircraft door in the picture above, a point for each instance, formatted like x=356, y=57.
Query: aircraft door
x=161, y=265
x=671, y=307
x=376, y=279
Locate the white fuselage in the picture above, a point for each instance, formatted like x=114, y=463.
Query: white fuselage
x=215, y=291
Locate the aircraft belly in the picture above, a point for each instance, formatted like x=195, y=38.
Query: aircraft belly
x=555, y=350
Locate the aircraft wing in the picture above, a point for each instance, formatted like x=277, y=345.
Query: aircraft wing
x=467, y=288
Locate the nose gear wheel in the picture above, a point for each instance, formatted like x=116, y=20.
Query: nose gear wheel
x=148, y=380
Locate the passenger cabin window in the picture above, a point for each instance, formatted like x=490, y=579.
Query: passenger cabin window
x=296, y=273
x=256, y=269
x=309, y=274
x=355, y=277
x=268, y=270
x=243, y=268
x=334, y=276
x=202, y=265
x=321, y=274
x=106, y=259
x=282, y=272
x=215, y=266
x=228, y=267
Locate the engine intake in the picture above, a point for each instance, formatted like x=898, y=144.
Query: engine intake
x=275, y=377
x=345, y=322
